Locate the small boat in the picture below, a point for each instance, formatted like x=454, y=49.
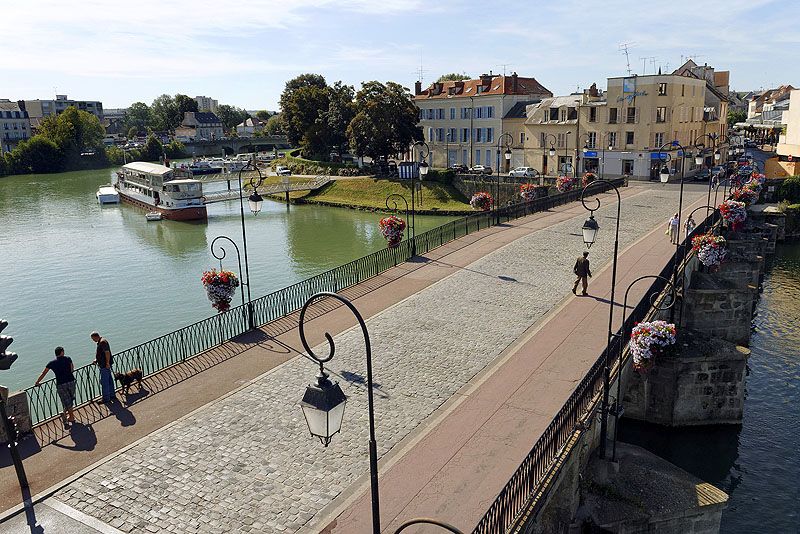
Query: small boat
x=203, y=167
x=153, y=216
x=107, y=195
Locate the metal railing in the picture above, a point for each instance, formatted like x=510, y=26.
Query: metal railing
x=185, y=343
x=524, y=495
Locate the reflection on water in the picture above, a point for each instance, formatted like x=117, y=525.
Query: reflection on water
x=756, y=463
x=72, y=266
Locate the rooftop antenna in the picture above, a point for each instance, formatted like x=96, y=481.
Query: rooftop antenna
x=644, y=65
x=505, y=65
x=625, y=47
x=653, y=63
x=421, y=71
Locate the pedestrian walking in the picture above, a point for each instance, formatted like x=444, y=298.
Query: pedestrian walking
x=104, y=360
x=63, y=368
x=690, y=225
x=673, y=229
x=582, y=271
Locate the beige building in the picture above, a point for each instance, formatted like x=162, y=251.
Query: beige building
x=38, y=109
x=621, y=129
x=463, y=121
x=788, y=148
x=199, y=127
x=206, y=104
x=15, y=126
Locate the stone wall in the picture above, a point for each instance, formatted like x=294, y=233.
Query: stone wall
x=17, y=407
x=718, y=307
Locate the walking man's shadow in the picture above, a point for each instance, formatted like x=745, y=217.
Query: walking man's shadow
x=123, y=414
x=83, y=438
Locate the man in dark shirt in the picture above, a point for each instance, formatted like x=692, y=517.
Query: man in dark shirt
x=582, y=271
x=65, y=381
x=103, y=360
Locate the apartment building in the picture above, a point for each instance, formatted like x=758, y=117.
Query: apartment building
x=462, y=121
x=788, y=160
x=15, y=126
x=206, y=104
x=197, y=126
x=38, y=109
x=621, y=129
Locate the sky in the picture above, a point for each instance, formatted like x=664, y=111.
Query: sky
x=242, y=53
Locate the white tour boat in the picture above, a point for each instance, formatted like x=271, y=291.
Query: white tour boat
x=154, y=187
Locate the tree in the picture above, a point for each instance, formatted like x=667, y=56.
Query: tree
x=735, y=116
x=37, y=155
x=73, y=132
x=133, y=132
x=164, y=112
x=153, y=149
x=303, y=101
x=274, y=125
x=263, y=115
x=138, y=116
x=341, y=110
x=453, y=77
x=183, y=103
x=231, y=115
x=385, y=122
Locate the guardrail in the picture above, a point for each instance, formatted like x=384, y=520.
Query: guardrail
x=181, y=345
x=525, y=492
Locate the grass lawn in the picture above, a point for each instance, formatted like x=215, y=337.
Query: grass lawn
x=372, y=193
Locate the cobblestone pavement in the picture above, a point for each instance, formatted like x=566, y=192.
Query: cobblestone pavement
x=246, y=463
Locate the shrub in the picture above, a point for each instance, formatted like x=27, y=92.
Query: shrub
x=790, y=189
x=443, y=176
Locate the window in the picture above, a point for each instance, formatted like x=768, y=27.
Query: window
x=488, y=158
x=452, y=113
x=662, y=89
x=479, y=113
x=592, y=114
x=489, y=112
x=439, y=135
x=553, y=114
x=451, y=134
x=422, y=114
x=489, y=135
x=430, y=114
x=562, y=115
x=542, y=139
x=627, y=166
x=683, y=89
x=630, y=115
x=465, y=113
x=522, y=138
x=464, y=135
x=628, y=138
x=477, y=156
x=612, y=139
x=612, y=115
x=661, y=114
x=572, y=114
x=464, y=157
x=591, y=140
x=562, y=140
x=658, y=139
x=430, y=135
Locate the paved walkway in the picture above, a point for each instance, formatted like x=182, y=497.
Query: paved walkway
x=245, y=462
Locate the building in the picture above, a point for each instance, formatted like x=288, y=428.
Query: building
x=787, y=162
x=765, y=114
x=197, y=126
x=206, y=104
x=38, y=109
x=621, y=129
x=462, y=121
x=249, y=127
x=15, y=125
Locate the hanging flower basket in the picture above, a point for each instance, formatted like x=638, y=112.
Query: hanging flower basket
x=738, y=180
x=565, y=183
x=710, y=249
x=532, y=191
x=746, y=195
x=648, y=341
x=734, y=213
x=588, y=178
x=392, y=228
x=481, y=201
x=220, y=288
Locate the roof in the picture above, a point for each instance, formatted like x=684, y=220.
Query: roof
x=489, y=84
x=150, y=168
x=561, y=101
x=517, y=111
x=722, y=78
x=206, y=117
x=250, y=122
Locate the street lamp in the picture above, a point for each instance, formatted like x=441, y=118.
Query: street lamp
x=623, y=336
x=590, y=228
x=323, y=403
x=425, y=151
x=679, y=245
x=716, y=141
x=505, y=141
x=394, y=197
x=254, y=201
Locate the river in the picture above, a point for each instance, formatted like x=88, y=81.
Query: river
x=756, y=463
x=71, y=266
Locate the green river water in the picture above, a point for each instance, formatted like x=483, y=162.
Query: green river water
x=71, y=266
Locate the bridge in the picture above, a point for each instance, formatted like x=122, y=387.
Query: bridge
x=237, y=145
x=268, y=189
x=479, y=347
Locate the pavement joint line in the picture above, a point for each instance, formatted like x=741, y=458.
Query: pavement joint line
x=80, y=517
x=359, y=486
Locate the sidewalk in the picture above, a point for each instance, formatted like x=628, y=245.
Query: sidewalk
x=252, y=443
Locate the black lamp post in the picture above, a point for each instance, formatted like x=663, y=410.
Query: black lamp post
x=504, y=141
x=394, y=197
x=254, y=201
x=624, y=333
x=323, y=403
x=715, y=143
x=551, y=152
x=664, y=177
x=423, y=171
x=586, y=148
x=589, y=230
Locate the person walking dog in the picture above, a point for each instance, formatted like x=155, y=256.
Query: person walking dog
x=103, y=360
x=582, y=271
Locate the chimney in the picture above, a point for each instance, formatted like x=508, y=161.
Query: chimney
x=514, y=83
x=486, y=79
x=418, y=87
x=593, y=90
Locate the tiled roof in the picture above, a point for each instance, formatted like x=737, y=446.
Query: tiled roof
x=206, y=118
x=484, y=86
x=517, y=111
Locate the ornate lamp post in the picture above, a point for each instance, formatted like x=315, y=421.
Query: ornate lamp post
x=664, y=177
x=586, y=148
x=254, y=201
x=589, y=230
x=323, y=403
x=423, y=171
x=715, y=142
x=551, y=152
x=622, y=344
x=504, y=141
x=394, y=197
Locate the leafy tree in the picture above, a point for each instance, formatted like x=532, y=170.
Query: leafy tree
x=37, y=155
x=73, y=132
x=735, y=116
x=303, y=101
x=164, y=113
x=231, y=115
x=453, y=77
x=385, y=122
x=153, y=149
x=175, y=149
x=274, y=125
x=183, y=103
x=341, y=110
x=133, y=132
x=263, y=115
x=137, y=116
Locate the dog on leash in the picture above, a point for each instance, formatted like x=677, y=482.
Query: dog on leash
x=127, y=379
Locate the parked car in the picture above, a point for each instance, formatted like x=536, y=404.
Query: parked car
x=750, y=144
x=282, y=170
x=481, y=169
x=459, y=168
x=703, y=175
x=523, y=172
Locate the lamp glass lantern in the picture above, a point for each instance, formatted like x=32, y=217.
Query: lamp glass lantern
x=423, y=169
x=585, y=149
x=508, y=154
x=323, y=407
x=663, y=175
x=255, y=201
x=590, y=228
x=717, y=155
x=552, y=151
x=698, y=158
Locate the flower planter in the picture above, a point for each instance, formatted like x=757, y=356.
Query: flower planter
x=392, y=228
x=565, y=183
x=481, y=201
x=220, y=287
x=649, y=341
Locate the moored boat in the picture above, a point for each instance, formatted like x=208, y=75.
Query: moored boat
x=202, y=166
x=107, y=195
x=154, y=187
